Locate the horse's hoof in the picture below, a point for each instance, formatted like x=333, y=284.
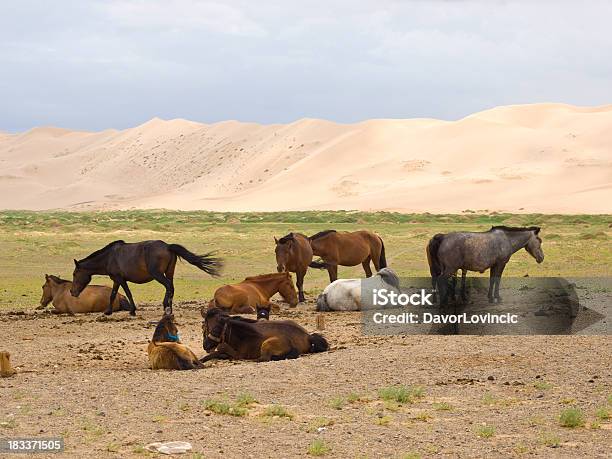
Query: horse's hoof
x=108, y=313
x=132, y=313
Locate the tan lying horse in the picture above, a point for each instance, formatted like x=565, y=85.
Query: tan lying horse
x=166, y=352
x=93, y=299
x=348, y=249
x=237, y=338
x=245, y=297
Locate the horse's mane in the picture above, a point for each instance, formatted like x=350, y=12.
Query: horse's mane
x=287, y=238
x=244, y=324
x=264, y=277
x=102, y=250
x=321, y=234
x=516, y=228
x=57, y=280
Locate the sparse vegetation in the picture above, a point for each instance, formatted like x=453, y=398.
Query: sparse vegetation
x=401, y=394
x=225, y=408
x=318, y=448
x=442, y=406
x=603, y=414
x=550, y=439
x=383, y=420
x=245, y=399
x=488, y=399
x=542, y=385
x=337, y=403
x=571, y=417
x=279, y=411
x=485, y=431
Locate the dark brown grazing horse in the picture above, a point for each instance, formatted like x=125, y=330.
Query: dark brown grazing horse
x=294, y=254
x=234, y=337
x=140, y=262
x=244, y=297
x=348, y=249
x=479, y=251
x=166, y=352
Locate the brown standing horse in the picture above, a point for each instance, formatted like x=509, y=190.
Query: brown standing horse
x=227, y=337
x=348, y=249
x=246, y=296
x=94, y=298
x=140, y=262
x=166, y=351
x=294, y=254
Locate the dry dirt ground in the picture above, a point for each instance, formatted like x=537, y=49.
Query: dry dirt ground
x=86, y=378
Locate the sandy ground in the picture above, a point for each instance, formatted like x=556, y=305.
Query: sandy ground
x=86, y=378
x=551, y=158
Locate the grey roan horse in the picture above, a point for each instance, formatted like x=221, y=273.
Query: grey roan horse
x=447, y=253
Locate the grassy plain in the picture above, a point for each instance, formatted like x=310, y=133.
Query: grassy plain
x=35, y=243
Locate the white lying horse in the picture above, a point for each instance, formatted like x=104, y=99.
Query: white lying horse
x=345, y=294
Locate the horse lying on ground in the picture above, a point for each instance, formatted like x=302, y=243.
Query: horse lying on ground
x=345, y=294
x=479, y=251
x=348, y=249
x=94, y=298
x=140, y=262
x=234, y=337
x=244, y=297
x=166, y=351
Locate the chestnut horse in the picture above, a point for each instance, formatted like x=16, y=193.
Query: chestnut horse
x=93, y=299
x=140, y=262
x=246, y=296
x=348, y=249
x=234, y=337
x=294, y=254
x=166, y=351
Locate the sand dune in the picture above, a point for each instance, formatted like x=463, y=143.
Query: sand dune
x=524, y=158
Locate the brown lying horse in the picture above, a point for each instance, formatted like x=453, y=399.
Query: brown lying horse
x=234, y=337
x=244, y=297
x=348, y=249
x=166, y=351
x=138, y=262
x=94, y=298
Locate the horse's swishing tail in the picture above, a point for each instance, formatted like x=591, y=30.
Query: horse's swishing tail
x=318, y=265
x=318, y=343
x=383, y=260
x=206, y=262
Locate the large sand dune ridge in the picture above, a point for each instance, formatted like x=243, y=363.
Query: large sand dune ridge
x=522, y=158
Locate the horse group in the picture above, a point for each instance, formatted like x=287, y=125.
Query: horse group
x=227, y=336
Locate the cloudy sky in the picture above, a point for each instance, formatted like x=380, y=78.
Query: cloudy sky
x=101, y=64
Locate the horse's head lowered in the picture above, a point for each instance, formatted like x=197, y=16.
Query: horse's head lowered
x=534, y=245
x=214, y=327
x=80, y=279
x=287, y=290
x=166, y=330
x=284, y=251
